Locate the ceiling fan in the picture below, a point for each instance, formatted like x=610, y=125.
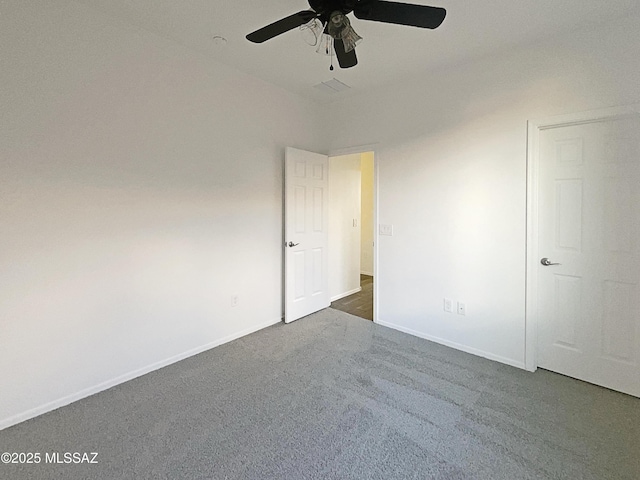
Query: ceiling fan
x=332, y=14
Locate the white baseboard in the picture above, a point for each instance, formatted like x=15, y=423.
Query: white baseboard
x=87, y=392
x=457, y=346
x=346, y=294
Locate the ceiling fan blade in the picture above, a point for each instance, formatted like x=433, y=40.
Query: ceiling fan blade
x=281, y=26
x=400, y=13
x=345, y=59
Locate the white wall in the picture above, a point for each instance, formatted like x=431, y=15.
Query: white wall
x=140, y=188
x=451, y=153
x=344, y=236
x=366, y=210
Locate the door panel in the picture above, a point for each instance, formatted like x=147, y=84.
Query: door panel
x=618, y=325
x=589, y=223
x=568, y=228
x=306, y=227
x=568, y=301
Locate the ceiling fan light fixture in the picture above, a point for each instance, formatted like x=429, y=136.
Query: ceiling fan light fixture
x=337, y=23
x=350, y=39
x=312, y=31
x=340, y=28
x=325, y=45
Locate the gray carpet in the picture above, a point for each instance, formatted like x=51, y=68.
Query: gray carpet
x=335, y=396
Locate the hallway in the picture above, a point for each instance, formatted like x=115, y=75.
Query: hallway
x=361, y=303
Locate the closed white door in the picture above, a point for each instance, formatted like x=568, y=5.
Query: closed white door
x=306, y=233
x=589, y=229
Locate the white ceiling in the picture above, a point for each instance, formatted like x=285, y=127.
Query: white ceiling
x=388, y=52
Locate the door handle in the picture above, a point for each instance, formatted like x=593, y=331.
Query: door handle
x=291, y=244
x=546, y=262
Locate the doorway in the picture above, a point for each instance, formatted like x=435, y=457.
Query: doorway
x=583, y=262
x=351, y=233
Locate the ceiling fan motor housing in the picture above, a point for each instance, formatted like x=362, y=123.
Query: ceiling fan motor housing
x=324, y=8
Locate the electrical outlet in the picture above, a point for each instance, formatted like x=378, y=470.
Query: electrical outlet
x=462, y=308
x=448, y=305
x=234, y=300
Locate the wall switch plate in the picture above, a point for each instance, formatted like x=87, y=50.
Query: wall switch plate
x=234, y=300
x=448, y=305
x=385, y=229
x=462, y=308
x=355, y=222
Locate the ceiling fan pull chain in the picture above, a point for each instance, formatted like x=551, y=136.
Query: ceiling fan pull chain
x=331, y=57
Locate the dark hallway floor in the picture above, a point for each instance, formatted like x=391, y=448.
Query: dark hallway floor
x=361, y=303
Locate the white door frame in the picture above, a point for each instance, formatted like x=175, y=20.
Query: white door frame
x=532, y=251
x=364, y=149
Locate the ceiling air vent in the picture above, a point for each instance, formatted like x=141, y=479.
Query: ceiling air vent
x=332, y=86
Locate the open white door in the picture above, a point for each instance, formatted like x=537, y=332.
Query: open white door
x=306, y=233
